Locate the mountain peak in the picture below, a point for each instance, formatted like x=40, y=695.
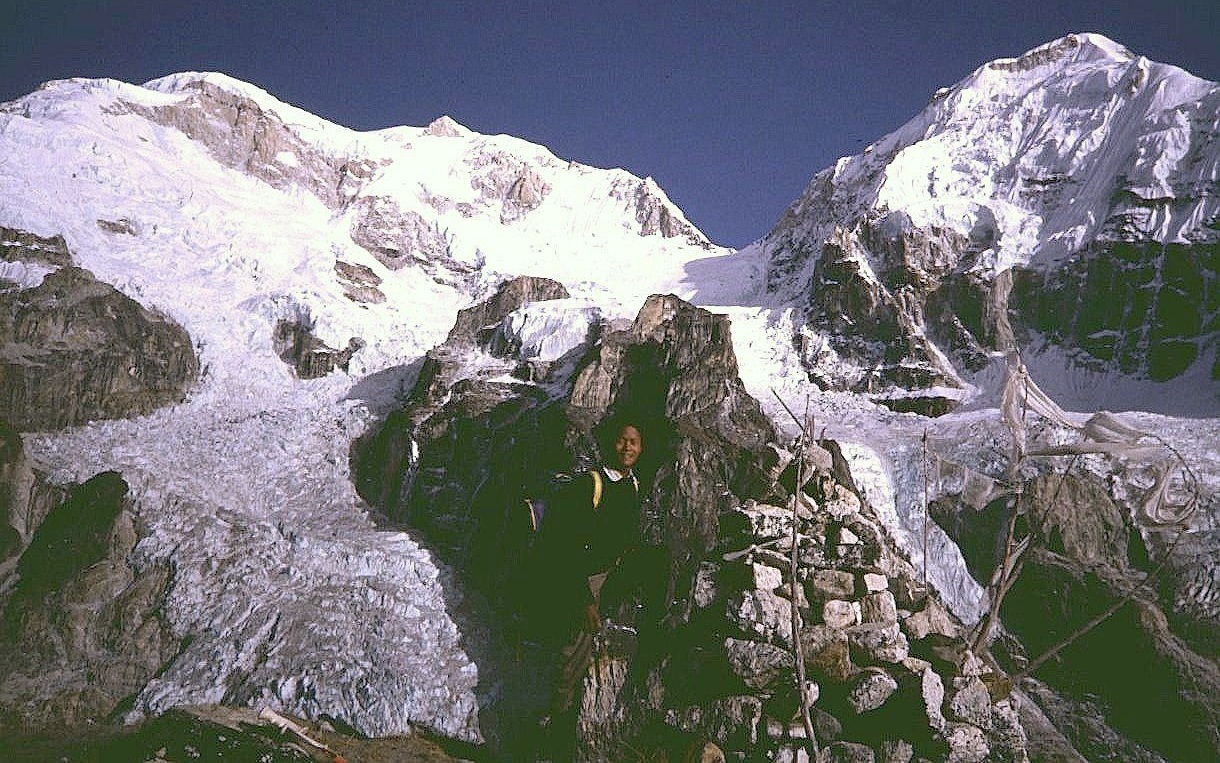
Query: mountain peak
x=1063, y=160
x=446, y=126
x=1083, y=46
x=185, y=82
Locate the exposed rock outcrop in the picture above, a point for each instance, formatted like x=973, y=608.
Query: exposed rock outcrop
x=360, y=283
x=507, y=181
x=909, y=309
x=82, y=630
x=1141, y=308
x=654, y=216
x=889, y=673
x=473, y=322
x=310, y=357
x=25, y=499
x=23, y=246
x=241, y=134
x=868, y=293
x=74, y=349
x=399, y=239
x=1132, y=688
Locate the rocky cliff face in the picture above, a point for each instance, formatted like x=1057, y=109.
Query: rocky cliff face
x=1142, y=684
x=26, y=497
x=75, y=349
x=889, y=671
x=1142, y=308
x=82, y=630
x=245, y=134
x=986, y=224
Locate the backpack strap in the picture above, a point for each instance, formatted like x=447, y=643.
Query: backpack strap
x=597, y=488
x=536, y=509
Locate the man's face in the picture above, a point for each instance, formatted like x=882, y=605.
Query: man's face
x=628, y=446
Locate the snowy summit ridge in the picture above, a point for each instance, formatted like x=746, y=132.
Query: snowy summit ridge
x=1051, y=176
x=1072, y=141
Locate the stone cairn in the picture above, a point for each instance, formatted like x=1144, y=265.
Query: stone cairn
x=889, y=675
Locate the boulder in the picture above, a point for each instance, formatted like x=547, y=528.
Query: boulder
x=762, y=613
x=871, y=690
x=878, y=643
x=875, y=582
x=759, y=665
x=838, y=613
x=824, y=585
x=895, y=751
x=967, y=744
x=732, y=721
x=932, y=690
x=848, y=752
x=932, y=619
x=830, y=657
x=970, y=702
x=879, y=608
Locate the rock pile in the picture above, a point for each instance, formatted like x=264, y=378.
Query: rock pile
x=889, y=676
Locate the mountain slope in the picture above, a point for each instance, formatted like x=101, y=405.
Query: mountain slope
x=272, y=236
x=1006, y=215
x=275, y=238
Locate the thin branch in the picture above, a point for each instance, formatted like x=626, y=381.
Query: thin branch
x=798, y=653
x=1093, y=623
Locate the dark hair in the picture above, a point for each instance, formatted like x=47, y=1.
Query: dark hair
x=606, y=433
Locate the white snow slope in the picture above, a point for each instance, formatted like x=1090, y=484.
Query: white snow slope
x=284, y=591
x=1030, y=152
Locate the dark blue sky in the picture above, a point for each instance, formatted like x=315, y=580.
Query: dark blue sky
x=732, y=107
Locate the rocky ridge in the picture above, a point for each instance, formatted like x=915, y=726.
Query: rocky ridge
x=75, y=349
x=890, y=674
x=960, y=237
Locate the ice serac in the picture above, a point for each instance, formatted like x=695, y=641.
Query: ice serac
x=1068, y=198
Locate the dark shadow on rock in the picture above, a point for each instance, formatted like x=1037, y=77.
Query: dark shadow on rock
x=386, y=390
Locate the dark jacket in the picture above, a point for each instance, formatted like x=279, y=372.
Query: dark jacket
x=577, y=540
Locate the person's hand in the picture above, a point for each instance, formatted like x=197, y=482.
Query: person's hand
x=593, y=619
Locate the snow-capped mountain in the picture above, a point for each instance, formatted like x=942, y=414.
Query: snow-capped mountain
x=1067, y=199
x=313, y=266
x=210, y=202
